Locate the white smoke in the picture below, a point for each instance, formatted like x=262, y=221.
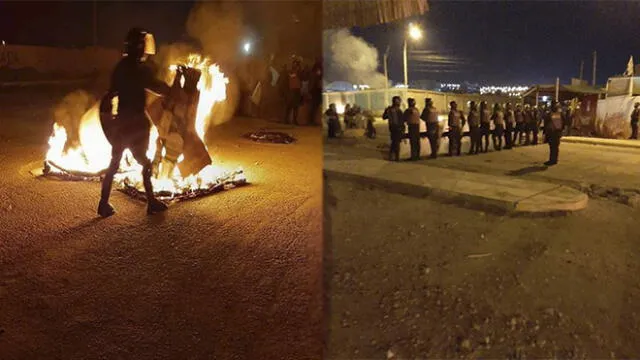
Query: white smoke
x=350, y=58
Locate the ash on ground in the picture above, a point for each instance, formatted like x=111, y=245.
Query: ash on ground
x=274, y=137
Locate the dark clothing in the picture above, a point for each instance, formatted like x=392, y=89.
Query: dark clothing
x=474, y=131
x=509, y=129
x=396, y=130
x=412, y=119
x=554, y=126
x=455, y=137
x=129, y=80
x=414, y=139
x=396, y=137
x=333, y=122
x=498, y=132
x=520, y=129
x=293, y=96
x=485, y=129
x=430, y=117
x=394, y=116
x=635, y=117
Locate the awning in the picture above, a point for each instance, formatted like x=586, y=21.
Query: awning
x=363, y=13
x=576, y=89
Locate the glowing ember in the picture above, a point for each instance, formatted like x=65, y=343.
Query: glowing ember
x=92, y=156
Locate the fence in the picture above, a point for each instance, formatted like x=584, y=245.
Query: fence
x=378, y=100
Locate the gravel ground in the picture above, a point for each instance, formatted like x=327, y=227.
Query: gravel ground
x=237, y=275
x=414, y=278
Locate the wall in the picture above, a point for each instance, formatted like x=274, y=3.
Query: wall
x=72, y=63
x=378, y=100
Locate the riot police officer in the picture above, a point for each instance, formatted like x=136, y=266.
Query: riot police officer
x=485, y=125
x=430, y=117
x=129, y=80
x=510, y=122
x=412, y=119
x=498, y=126
x=553, y=128
x=456, y=122
x=393, y=114
x=474, y=129
x=518, y=137
x=635, y=116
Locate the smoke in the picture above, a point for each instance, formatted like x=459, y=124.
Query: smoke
x=69, y=112
x=350, y=58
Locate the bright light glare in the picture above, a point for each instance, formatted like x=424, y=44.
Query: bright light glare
x=414, y=32
x=247, y=47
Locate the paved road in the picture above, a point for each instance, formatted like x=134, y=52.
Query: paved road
x=237, y=275
x=579, y=163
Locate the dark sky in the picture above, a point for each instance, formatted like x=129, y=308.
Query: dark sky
x=517, y=42
x=69, y=23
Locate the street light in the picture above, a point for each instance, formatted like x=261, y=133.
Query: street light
x=247, y=47
x=414, y=33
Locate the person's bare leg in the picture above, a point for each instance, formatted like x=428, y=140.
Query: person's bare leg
x=153, y=205
x=104, y=208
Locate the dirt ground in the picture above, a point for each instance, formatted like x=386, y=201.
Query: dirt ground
x=236, y=275
x=415, y=278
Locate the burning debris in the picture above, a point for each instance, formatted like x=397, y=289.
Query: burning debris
x=274, y=137
x=182, y=166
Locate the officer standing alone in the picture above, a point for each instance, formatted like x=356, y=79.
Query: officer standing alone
x=553, y=128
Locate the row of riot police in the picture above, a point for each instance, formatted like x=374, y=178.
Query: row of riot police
x=516, y=126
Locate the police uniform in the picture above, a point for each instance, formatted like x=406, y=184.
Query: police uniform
x=553, y=128
x=455, y=131
x=412, y=119
x=509, y=118
x=520, y=126
x=474, y=130
x=498, y=127
x=430, y=117
x=635, y=116
x=396, y=130
x=485, y=126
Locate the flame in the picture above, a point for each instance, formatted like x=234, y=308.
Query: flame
x=94, y=153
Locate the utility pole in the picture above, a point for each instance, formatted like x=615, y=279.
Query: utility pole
x=95, y=23
x=595, y=58
x=581, y=68
x=404, y=54
x=386, y=72
x=557, y=89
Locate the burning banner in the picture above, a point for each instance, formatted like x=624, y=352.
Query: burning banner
x=182, y=166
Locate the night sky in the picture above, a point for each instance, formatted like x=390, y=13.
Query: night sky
x=515, y=42
x=69, y=24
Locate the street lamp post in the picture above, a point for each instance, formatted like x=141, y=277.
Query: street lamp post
x=415, y=33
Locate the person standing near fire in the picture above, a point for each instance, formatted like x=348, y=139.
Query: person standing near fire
x=635, y=117
x=393, y=114
x=293, y=92
x=131, y=126
x=412, y=119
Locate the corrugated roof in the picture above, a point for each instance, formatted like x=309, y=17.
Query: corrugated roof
x=362, y=13
x=578, y=89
